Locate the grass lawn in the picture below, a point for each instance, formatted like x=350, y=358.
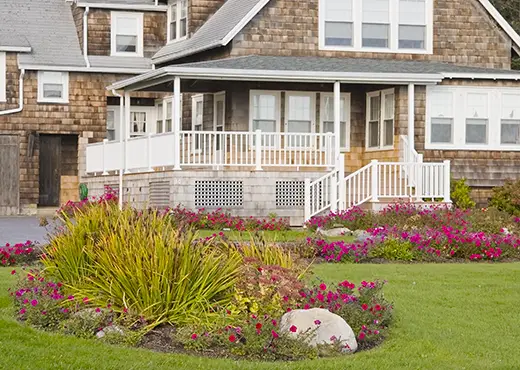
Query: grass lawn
x=447, y=317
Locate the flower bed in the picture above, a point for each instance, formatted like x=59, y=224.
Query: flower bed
x=141, y=274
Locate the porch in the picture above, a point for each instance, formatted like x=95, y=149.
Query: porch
x=346, y=137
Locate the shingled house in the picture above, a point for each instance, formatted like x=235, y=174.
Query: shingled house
x=296, y=107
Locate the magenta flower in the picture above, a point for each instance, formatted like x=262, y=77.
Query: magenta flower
x=317, y=322
x=34, y=302
x=293, y=329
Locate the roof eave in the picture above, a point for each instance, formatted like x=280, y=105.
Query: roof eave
x=481, y=76
x=108, y=5
x=16, y=49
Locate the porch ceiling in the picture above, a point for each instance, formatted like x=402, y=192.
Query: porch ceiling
x=313, y=69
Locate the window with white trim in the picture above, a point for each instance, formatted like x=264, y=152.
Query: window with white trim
x=197, y=119
x=380, y=119
x=396, y=26
x=127, y=34
x=472, y=118
x=164, y=115
x=264, y=112
x=111, y=124
x=510, y=119
x=3, y=77
x=141, y=121
x=53, y=87
x=327, y=117
x=177, y=20
x=300, y=117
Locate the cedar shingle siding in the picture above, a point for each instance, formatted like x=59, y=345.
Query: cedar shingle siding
x=463, y=34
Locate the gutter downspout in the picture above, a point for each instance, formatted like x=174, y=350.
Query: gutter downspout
x=20, y=103
x=85, y=36
x=122, y=148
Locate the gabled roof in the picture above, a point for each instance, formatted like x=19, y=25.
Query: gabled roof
x=315, y=70
x=46, y=26
x=218, y=30
x=234, y=15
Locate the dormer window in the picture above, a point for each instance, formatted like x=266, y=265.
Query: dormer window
x=127, y=34
x=391, y=26
x=177, y=20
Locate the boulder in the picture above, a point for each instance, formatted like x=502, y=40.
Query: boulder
x=338, y=231
x=324, y=327
x=113, y=329
x=361, y=236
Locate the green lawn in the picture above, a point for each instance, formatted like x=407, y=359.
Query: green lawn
x=447, y=317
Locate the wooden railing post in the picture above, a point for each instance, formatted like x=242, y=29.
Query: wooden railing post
x=105, y=141
x=419, y=178
x=307, y=200
x=375, y=181
x=329, y=149
x=258, y=150
x=447, y=182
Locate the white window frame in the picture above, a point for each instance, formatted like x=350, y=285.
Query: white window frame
x=3, y=77
x=383, y=96
x=219, y=97
x=115, y=110
x=347, y=108
x=278, y=116
x=150, y=119
x=178, y=18
x=195, y=99
x=312, y=96
x=113, y=33
x=165, y=101
x=62, y=80
x=495, y=117
x=357, y=11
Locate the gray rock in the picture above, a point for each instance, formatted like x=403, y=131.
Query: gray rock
x=113, y=329
x=323, y=327
x=361, y=236
x=340, y=231
x=88, y=314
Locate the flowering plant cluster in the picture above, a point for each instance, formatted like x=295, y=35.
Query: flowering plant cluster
x=427, y=244
x=109, y=196
x=218, y=220
x=19, y=253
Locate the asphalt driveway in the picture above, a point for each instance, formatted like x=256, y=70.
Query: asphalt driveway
x=20, y=229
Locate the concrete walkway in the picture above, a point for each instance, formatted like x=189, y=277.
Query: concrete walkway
x=20, y=229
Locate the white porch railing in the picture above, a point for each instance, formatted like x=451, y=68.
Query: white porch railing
x=388, y=180
x=213, y=149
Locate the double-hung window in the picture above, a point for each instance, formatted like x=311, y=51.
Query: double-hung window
x=3, y=77
x=53, y=87
x=376, y=23
x=177, y=19
x=380, y=119
x=477, y=118
x=265, y=112
x=164, y=115
x=510, y=120
x=412, y=24
x=441, y=117
x=138, y=122
x=111, y=124
x=127, y=34
x=327, y=117
x=197, y=119
x=338, y=23
x=300, y=117
x=391, y=26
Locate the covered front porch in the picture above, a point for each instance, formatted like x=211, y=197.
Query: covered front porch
x=241, y=114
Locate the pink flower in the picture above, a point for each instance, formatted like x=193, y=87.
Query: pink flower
x=85, y=300
x=194, y=336
x=22, y=311
x=293, y=329
x=361, y=336
x=274, y=322
x=364, y=307
x=232, y=338
x=323, y=286
x=333, y=338
x=34, y=302
x=70, y=297
x=377, y=307
x=98, y=310
x=317, y=322
x=274, y=334
x=13, y=272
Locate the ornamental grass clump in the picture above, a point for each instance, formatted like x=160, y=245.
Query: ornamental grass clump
x=137, y=262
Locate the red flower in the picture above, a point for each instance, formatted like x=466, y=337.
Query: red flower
x=34, y=302
x=293, y=329
x=98, y=310
x=232, y=338
x=13, y=272
x=364, y=307
x=377, y=307
x=258, y=326
x=274, y=334
x=323, y=286
x=274, y=322
x=317, y=322
x=194, y=336
x=361, y=336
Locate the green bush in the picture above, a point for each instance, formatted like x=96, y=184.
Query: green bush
x=138, y=263
x=394, y=250
x=507, y=198
x=461, y=194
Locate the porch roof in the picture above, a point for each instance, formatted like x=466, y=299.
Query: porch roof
x=314, y=69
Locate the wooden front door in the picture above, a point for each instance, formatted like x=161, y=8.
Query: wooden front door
x=50, y=170
x=9, y=174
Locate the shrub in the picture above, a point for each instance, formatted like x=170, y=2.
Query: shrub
x=137, y=262
x=507, y=198
x=394, y=250
x=265, y=289
x=20, y=253
x=109, y=196
x=461, y=194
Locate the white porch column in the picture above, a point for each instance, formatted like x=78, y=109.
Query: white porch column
x=176, y=115
x=337, y=121
x=126, y=128
x=121, y=148
x=411, y=120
